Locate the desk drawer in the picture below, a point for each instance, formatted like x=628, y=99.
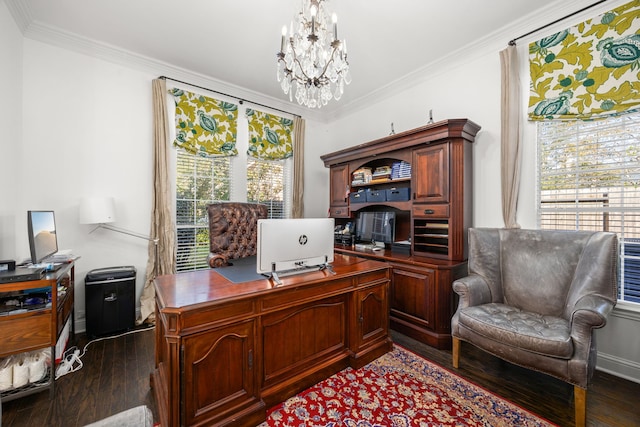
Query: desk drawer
x=26, y=332
x=295, y=295
x=430, y=211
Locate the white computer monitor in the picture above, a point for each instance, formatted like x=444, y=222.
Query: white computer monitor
x=290, y=244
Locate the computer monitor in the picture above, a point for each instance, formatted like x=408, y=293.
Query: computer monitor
x=43, y=241
x=287, y=244
x=376, y=227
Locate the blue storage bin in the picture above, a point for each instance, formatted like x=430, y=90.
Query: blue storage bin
x=376, y=195
x=398, y=194
x=357, y=197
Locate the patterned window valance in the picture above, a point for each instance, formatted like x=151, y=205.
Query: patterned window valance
x=589, y=70
x=269, y=136
x=205, y=126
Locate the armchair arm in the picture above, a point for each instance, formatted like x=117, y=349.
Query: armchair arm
x=473, y=290
x=590, y=312
x=216, y=260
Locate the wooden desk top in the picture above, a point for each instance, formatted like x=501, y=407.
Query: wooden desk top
x=176, y=291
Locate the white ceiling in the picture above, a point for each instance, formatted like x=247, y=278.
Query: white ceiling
x=235, y=41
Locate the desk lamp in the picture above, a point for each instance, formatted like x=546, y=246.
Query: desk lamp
x=101, y=211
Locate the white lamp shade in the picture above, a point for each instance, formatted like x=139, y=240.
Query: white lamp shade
x=97, y=210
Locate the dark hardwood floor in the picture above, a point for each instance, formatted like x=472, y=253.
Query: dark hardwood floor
x=115, y=377
x=116, y=371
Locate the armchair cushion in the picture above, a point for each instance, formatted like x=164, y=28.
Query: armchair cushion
x=547, y=335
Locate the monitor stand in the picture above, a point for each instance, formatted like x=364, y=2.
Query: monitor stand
x=275, y=275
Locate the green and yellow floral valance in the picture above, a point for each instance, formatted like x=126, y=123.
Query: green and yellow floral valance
x=205, y=126
x=589, y=70
x=269, y=136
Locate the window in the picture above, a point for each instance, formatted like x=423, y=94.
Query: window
x=202, y=180
x=589, y=179
x=269, y=182
x=199, y=180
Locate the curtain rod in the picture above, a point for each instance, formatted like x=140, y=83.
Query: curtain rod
x=513, y=41
x=240, y=100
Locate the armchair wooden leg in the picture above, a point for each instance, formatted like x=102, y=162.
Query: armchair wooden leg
x=580, y=403
x=456, y=352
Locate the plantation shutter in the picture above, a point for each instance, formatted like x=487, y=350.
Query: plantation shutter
x=589, y=70
x=589, y=179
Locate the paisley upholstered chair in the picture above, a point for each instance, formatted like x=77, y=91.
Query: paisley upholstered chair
x=534, y=297
x=233, y=231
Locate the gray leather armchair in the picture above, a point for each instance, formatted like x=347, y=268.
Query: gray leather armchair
x=533, y=298
x=233, y=231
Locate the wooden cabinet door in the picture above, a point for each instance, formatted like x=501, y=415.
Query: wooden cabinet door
x=412, y=296
x=371, y=315
x=219, y=374
x=339, y=185
x=430, y=171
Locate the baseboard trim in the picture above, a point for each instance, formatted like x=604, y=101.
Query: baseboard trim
x=619, y=367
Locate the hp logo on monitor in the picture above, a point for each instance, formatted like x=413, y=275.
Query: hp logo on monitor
x=302, y=239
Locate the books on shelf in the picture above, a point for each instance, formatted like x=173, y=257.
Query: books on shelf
x=401, y=169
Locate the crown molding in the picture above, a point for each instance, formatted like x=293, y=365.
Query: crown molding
x=21, y=13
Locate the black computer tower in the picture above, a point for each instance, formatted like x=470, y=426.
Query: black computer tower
x=110, y=300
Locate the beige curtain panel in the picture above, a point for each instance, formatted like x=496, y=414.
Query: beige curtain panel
x=510, y=151
x=297, y=210
x=162, y=226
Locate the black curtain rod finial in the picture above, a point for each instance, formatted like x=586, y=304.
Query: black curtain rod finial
x=512, y=42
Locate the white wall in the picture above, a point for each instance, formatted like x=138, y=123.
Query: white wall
x=11, y=125
x=87, y=132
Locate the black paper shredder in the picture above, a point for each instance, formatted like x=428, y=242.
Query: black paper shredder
x=110, y=300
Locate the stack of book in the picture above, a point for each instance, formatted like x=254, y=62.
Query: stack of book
x=361, y=176
x=381, y=173
x=400, y=170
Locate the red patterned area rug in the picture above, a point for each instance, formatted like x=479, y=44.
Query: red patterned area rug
x=398, y=389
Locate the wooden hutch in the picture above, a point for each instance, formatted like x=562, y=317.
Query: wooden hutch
x=434, y=216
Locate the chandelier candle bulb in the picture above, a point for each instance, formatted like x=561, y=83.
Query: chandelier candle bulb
x=334, y=19
x=284, y=34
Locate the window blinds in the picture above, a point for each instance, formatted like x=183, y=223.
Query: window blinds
x=589, y=179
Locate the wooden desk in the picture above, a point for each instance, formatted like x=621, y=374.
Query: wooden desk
x=225, y=352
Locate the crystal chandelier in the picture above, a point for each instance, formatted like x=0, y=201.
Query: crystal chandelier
x=312, y=59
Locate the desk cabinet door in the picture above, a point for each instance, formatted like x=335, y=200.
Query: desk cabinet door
x=372, y=314
x=412, y=296
x=219, y=373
